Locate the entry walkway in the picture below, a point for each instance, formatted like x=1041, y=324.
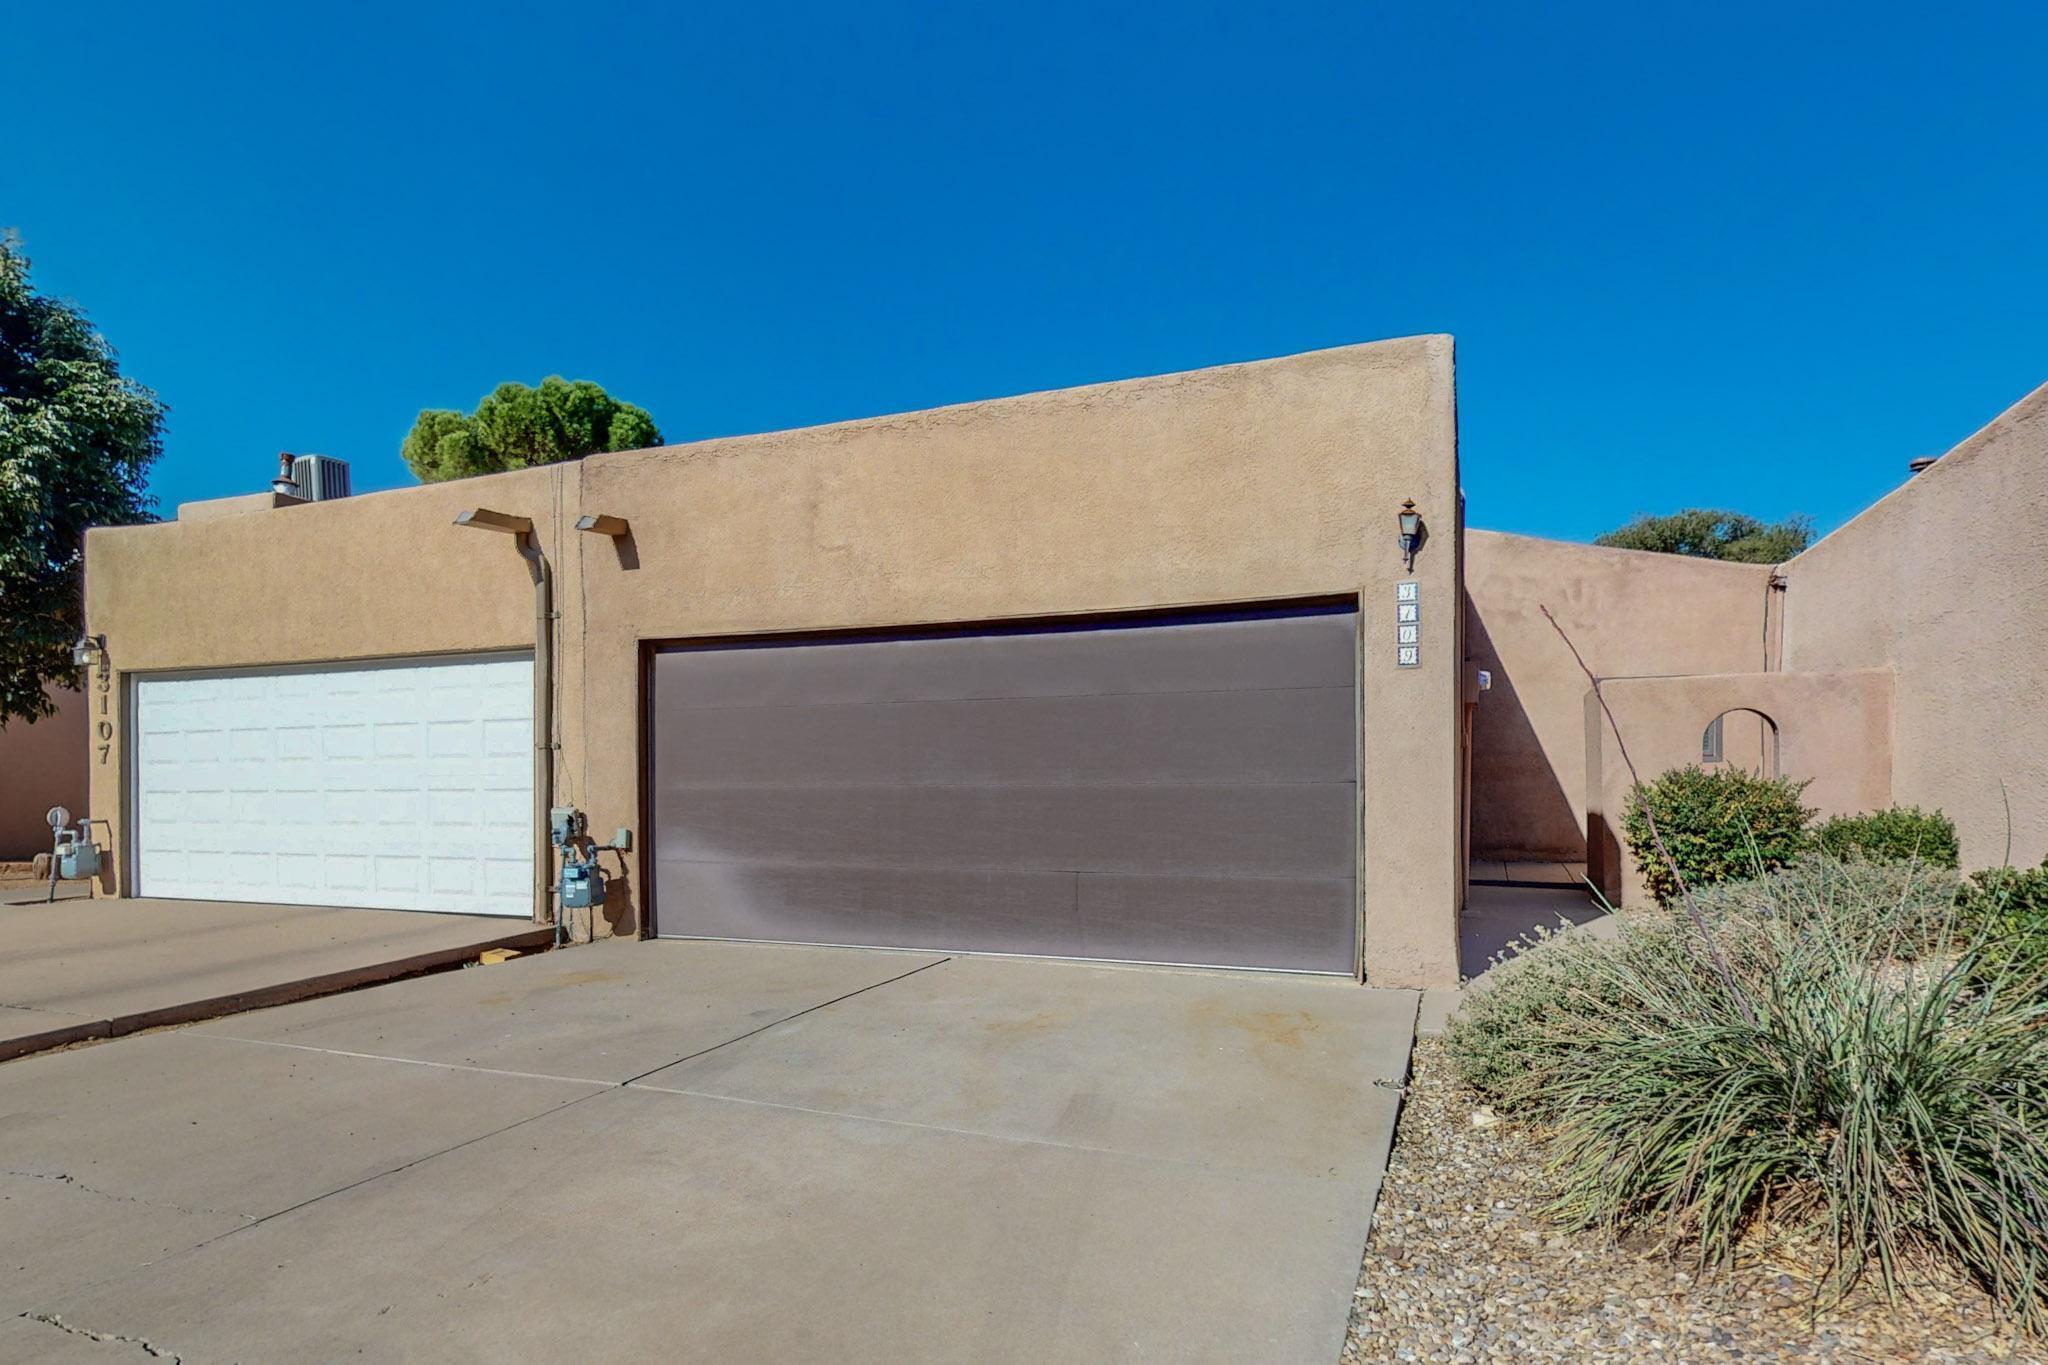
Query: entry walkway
x=82, y=969
x=1506, y=902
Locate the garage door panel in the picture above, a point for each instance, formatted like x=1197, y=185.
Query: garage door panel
x=1277, y=650
x=320, y=786
x=966, y=910
x=1121, y=918
x=1290, y=924
x=1180, y=790
x=1247, y=831
x=1226, y=737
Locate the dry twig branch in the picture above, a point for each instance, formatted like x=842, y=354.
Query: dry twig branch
x=1699, y=920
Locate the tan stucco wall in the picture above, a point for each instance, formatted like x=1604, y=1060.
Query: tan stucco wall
x=1946, y=581
x=236, y=506
x=1272, y=480
x=1629, y=613
x=1833, y=728
x=41, y=765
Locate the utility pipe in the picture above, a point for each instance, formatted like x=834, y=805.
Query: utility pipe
x=543, y=726
x=522, y=533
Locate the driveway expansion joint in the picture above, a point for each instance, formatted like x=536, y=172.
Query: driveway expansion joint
x=404, y=1061
x=148, y=1348
x=755, y=1033
x=394, y=1170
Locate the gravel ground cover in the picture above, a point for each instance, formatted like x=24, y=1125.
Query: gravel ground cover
x=1463, y=1267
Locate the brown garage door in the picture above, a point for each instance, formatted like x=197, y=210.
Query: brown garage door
x=1161, y=790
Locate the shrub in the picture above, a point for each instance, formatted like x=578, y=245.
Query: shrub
x=1799, y=1073
x=1718, y=826
x=2009, y=908
x=1901, y=833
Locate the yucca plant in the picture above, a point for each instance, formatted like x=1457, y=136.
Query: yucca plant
x=1836, y=1055
x=1899, y=905
x=1885, y=1109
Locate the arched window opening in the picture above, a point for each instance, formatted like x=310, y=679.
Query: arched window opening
x=1741, y=738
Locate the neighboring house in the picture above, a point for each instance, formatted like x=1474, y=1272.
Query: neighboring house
x=41, y=765
x=1138, y=671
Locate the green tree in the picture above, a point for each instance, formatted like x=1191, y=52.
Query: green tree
x=76, y=443
x=1706, y=533
x=517, y=427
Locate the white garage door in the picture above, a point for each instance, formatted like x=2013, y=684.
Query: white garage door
x=403, y=785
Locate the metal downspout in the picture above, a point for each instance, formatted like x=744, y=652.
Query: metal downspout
x=543, y=725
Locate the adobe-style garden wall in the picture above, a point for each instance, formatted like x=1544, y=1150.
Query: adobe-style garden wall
x=1831, y=730
x=1630, y=613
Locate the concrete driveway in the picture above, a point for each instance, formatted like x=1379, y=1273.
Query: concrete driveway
x=80, y=969
x=719, y=1152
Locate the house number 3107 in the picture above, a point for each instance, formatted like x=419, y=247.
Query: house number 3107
x=104, y=727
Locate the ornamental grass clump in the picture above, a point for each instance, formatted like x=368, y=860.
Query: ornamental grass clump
x=1903, y=907
x=1807, y=1079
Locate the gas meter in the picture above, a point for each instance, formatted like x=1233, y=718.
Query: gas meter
x=73, y=854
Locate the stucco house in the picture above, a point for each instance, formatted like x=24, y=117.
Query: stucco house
x=1143, y=671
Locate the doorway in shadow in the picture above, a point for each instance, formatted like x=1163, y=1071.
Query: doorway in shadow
x=1496, y=918
x=1520, y=810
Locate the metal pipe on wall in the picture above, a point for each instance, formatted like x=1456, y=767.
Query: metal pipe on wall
x=522, y=532
x=543, y=723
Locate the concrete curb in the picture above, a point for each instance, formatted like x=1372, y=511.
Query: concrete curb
x=263, y=997
x=1433, y=1015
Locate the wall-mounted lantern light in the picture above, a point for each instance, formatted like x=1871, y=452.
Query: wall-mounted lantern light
x=603, y=526
x=1411, y=530
x=88, y=648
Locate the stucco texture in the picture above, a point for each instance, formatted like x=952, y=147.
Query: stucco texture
x=41, y=765
x=1630, y=613
x=1833, y=730
x=1945, y=581
x=1265, y=481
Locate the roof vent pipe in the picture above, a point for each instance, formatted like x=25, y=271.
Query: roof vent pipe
x=1921, y=463
x=284, y=484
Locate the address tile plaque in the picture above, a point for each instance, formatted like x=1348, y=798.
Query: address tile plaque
x=1408, y=624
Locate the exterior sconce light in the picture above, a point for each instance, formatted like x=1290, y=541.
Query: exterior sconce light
x=1411, y=530
x=603, y=526
x=87, y=649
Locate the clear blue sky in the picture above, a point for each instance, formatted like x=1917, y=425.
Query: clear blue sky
x=1753, y=255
